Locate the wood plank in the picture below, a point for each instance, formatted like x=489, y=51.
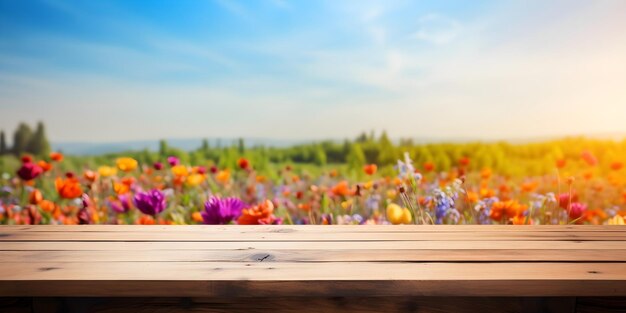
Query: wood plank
x=313, y=271
x=313, y=245
x=311, y=236
x=364, y=255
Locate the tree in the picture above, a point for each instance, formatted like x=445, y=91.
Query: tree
x=241, y=147
x=3, y=143
x=163, y=148
x=387, y=151
x=355, y=158
x=319, y=156
x=38, y=143
x=21, y=138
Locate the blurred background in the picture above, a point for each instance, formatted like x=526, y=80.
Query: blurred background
x=486, y=111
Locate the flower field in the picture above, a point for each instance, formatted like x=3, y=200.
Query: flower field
x=575, y=185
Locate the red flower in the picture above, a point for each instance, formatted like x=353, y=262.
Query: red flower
x=29, y=170
x=370, y=169
x=589, y=158
x=464, y=161
x=243, y=163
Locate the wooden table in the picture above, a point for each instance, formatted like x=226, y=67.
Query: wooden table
x=102, y=268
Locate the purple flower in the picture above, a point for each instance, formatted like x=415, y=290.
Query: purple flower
x=151, y=202
x=173, y=161
x=157, y=166
x=221, y=211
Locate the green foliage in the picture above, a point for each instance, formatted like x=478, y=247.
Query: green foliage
x=38, y=143
x=21, y=138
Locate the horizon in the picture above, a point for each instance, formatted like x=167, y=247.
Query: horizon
x=118, y=71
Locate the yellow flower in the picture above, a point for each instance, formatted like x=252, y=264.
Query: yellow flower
x=617, y=220
x=194, y=180
x=126, y=164
x=398, y=215
x=180, y=170
x=346, y=204
x=107, y=171
x=391, y=194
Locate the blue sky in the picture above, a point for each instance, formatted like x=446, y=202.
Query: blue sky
x=126, y=70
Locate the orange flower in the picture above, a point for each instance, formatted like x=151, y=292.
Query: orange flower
x=262, y=214
x=370, y=169
x=197, y=217
x=45, y=166
x=617, y=165
x=145, y=220
x=35, y=197
x=90, y=175
x=68, y=188
x=507, y=209
x=56, y=156
x=341, y=189
x=529, y=186
x=429, y=166
x=223, y=176
x=560, y=163
x=126, y=164
x=485, y=173
x=123, y=187
x=180, y=170
x=47, y=205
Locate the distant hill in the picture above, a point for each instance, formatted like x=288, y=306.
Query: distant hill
x=95, y=148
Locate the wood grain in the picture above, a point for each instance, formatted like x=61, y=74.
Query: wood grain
x=312, y=261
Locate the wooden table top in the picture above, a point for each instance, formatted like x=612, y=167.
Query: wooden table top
x=264, y=261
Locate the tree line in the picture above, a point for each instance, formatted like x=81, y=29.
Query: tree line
x=25, y=140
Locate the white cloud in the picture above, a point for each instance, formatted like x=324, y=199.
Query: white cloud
x=437, y=29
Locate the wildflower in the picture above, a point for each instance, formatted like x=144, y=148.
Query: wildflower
x=616, y=220
x=56, y=156
x=223, y=176
x=560, y=163
x=221, y=211
x=243, y=163
x=68, y=188
x=197, y=217
x=564, y=199
x=464, y=161
x=35, y=197
x=341, y=189
x=107, y=171
x=429, y=166
x=90, y=175
x=617, y=165
x=45, y=166
x=29, y=170
x=157, y=166
x=589, y=158
x=213, y=169
x=180, y=170
x=576, y=210
x=194, y=180
x=47, y=205
x=201, y=170
x=370, y=169
x=126, y=164
x=173, y=161
x=507, y=210
x=261, y=214
x=398, y=215
x=151, y=202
